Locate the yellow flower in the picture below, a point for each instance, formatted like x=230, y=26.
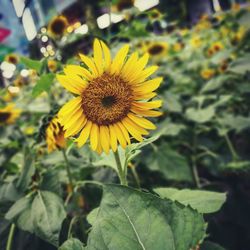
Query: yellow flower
x=177, y=47
x=29, y=130
x=112, y=98
x=184, y=31
x=55, y=135
x=52, y=65
x=20, y=81
x=195, y=41
x=9, y=114
x=239, y=35
x=214, y=48
x=207, y=73
x=12, y=58
x=58, y=26
x=155, y=14
x=156, y=49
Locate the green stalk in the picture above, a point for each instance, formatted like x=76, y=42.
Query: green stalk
x=121, y=172
x=135, y=175
x=10, y=237
x=231, y=148
x=68, y=169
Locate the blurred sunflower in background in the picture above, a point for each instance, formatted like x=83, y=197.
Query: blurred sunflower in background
x=58, y=26
x=9, y=114
x=123, y=5
x=207, y=73
x=52, y=65
x=195, y=41
x=12, y=58
x=156, y=49
x=112, y=98
x=55, y=135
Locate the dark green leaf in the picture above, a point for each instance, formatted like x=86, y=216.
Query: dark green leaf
x=129, y=219
x=72, y=244
x=203, y=201
x=31, y=64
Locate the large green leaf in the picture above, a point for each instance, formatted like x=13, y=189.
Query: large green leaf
x=72, y=244
x=170, y=163
x=43, y=84
x=200, y=115
x=41, y=214
x=130, y=219
x=241, y=65
x=203, y=201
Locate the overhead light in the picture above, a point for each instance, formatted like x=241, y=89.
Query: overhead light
x=216, y=5
x=8, y=74
x=19, y=7
x=44, y=39
x=29, y=25
x=5, y=66
x=103, y=21
x=143, y=5
x=83, y=29
x=13, y=89
x=24, y=73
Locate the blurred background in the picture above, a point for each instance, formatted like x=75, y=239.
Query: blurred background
x=203, y=50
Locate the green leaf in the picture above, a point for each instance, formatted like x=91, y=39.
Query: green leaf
x=31, y=64
x=200, y=115
x=43, y=84
x=170, y=163
x=72, y=244
x=241, y=65
x=47, y=214
x=92, y=215
x=20, y=214
x=130, y=219
x=171, y=103
x=203, y=201
x=27, y=170
x=41, y=214
x=208, y=245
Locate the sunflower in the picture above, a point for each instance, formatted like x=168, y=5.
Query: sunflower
x=195, y=41
x=157, y=49
x=58, y=26
x=12, y=58
x=112, y=98
x=9, y=114
x=55, y=135
x=123, y=5
x=52, y=65
x=207, y=73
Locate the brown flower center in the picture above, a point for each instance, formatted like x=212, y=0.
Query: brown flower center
x=107, y=99
x=58, y=26
x=13, y=59
x=155, y=50
x=4, y=116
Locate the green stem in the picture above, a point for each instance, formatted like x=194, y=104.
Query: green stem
x=135, y=175
x=10, y=237
x=231, y=147
x=195, y=175
x=70, y=227
x=68, y=169
x=121, y=172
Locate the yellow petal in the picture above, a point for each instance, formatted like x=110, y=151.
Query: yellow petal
x=129, y=65
x=144, y=96
x=119, y=59
x=76, y=128
x=74, y=119
x=124, y=132
x=107, y=56
x=90, y=64
x=141, y=121
x=99, y=148
x=132, y=130
x=98, y=56
x=119, y=136
x=147, y=86
x=138, y=128
x=139, y=66
x=147, y=105
x=71, y=84
x=145, y=74
x=113, y=138
x=94, y=136
x=83, y=137
x=104, y=137
x=78, y=70
x=149, y=113
x=70, y=106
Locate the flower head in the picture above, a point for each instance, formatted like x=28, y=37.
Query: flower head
x=9, y=114
x=55, y=135
x=207, y=73
x=52, y=65
x=58, y=26
x=112, y=98
x=12, y=58
x=157, y=49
